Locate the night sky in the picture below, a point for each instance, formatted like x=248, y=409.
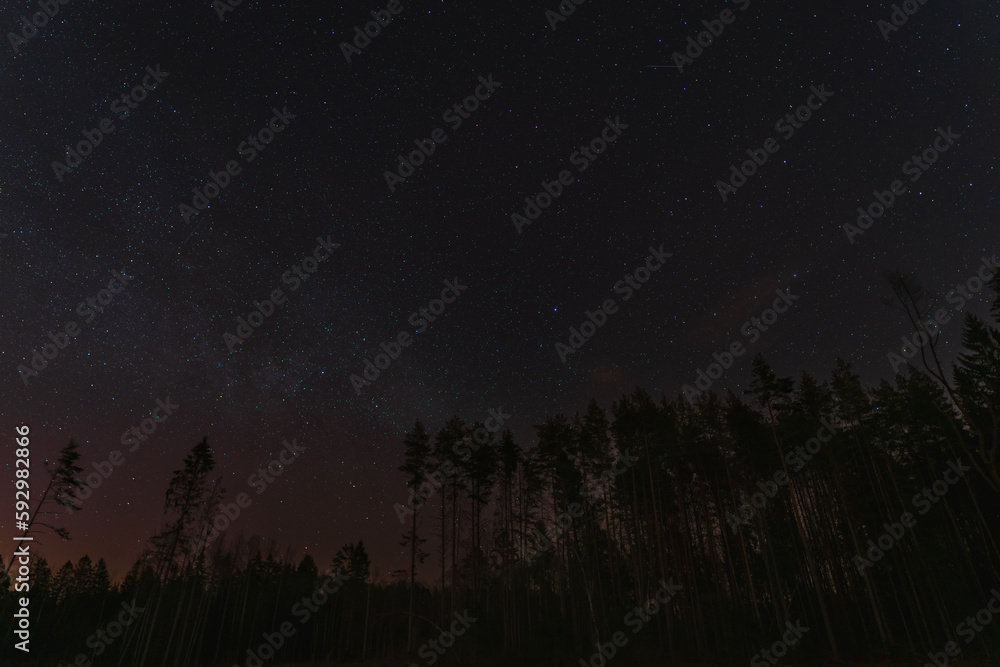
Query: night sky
x=680, y=129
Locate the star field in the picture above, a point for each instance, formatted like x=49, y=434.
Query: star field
x=494, y=346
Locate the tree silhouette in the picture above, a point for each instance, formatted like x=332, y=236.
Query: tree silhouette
x=62, y=478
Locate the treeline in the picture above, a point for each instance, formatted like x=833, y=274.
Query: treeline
x=569, y=551
x=867, y=515
x=211, y=612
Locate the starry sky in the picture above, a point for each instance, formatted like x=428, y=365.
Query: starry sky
x=323, y=175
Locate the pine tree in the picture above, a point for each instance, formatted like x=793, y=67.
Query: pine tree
x=62, y=583
x=415, y=467
x=352, y=561
x=62, y=479
x=977, y=384
x=187, y=497
x=83, y=578
x=451, y=448
x=102, y=578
